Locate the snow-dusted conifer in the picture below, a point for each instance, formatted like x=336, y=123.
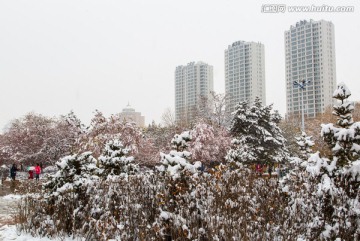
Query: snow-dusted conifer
x=73, y=172
x=258, y=139
x=331, y=202
x=181, y=142
x=178, y=160
x=178, y=174
x=116, y=159
x=345, y=139
x=305, y=144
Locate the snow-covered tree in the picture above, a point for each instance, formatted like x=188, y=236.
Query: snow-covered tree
x=67, y=192
x=102, y=130
x=178, y=161
x=73, y=172
x=158, y=138
x=328, y=209
x=64, y=137
x=209, y=143
x=96, y=135
x=36, y=138
x=305, y=144
x=178, y=174
x=257, y=138
x=116, y=159
x=181, y=142
x=345, y=139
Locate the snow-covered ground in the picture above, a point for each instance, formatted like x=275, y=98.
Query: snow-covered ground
x=19, y=176
x=8, y=232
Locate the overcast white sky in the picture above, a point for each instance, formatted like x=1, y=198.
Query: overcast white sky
x=57, y=56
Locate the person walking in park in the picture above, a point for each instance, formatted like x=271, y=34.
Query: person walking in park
x=37, y=171
x=31, y=172
x=270, y=169
x=13, y=170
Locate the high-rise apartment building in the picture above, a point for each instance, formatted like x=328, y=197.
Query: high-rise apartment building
x=310, y=55
x=192, y=82
x=244, y=73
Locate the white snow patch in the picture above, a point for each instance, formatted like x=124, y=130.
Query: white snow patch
x=12, y=197
x=9, y=232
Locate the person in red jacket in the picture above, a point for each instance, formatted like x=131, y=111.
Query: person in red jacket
x=31, y=172
x=37, y=171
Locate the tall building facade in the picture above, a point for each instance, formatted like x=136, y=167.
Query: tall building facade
x=310, y=55
x=192, y=82
x=244, y=73
x=130, y=115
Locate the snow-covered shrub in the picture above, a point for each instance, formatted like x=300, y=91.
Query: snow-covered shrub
x=178, y=162
x=122, y=208
x=323, y=204
x=179, y=176
x=68, y=190
x=224, y=204
x=116, y=159
x=58, y=210
x=318, y=200
x=73, y=172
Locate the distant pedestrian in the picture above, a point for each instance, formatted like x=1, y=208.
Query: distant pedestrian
x=13, y=170
x=31, y=172
x=278, y=170
x=270, y=170
x=37, y=171
x=202, y=167
x=259, y=169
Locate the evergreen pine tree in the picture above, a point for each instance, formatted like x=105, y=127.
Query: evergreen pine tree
x=258, y=139
x=115, y=159
x=332, y=185
x=344, y=139
x=178, y=175
x=305, y=144
x=177, y=162
x=73, y=172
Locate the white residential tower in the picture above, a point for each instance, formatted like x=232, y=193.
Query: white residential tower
x=193, y=81
x=244, y=73
x=310, y=55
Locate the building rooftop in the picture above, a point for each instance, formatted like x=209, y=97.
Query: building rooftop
x=128, y=108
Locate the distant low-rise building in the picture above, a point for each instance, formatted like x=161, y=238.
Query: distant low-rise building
x=130, y=115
